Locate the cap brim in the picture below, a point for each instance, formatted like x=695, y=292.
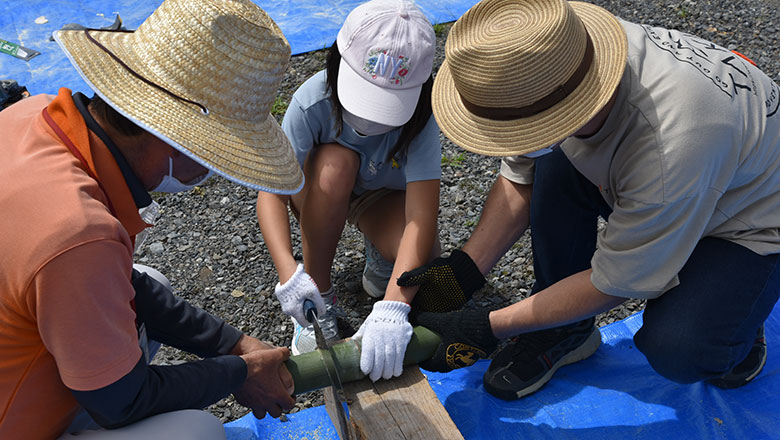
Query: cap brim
x=520, y=136
x=255, y=153
x=364, y=99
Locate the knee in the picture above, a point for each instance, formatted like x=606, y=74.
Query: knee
x=678, y=355
x=194, y=424
x=332, y=169
x=154, y=274
x=205, y=426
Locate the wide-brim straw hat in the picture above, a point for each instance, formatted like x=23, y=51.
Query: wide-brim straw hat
x=520, y=75
x=202, y=75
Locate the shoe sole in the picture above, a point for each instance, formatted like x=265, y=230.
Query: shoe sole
x=726, y=385
x=372, y=290
x=583, y=351
x=758, y=371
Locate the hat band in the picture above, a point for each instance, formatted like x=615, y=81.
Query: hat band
x=556, y=96
x=133, y=72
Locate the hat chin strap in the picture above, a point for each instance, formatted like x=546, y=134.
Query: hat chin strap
x=133, y=72
x=554, y=97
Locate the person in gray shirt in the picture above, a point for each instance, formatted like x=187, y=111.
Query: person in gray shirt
x=671, y=139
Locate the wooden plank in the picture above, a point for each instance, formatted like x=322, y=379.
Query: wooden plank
x=403, y=408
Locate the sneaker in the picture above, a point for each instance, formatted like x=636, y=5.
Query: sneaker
x=748, y=369
x=530, y=360
x=377, y=272
x=304, y=339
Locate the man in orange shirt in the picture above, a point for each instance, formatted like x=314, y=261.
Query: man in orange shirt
x=75, y=312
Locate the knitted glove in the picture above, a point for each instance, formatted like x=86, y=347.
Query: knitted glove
x=298, y=288
x=384, y=334
x=466, y=337
x=446, y=283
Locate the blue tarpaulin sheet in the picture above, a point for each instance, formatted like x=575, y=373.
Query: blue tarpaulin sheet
x=307, y=24
x=614, y=394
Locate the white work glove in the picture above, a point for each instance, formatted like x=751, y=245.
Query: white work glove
x=384, y=334
x=298, y=288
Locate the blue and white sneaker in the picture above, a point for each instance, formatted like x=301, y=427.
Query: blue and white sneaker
x=377, y=272
x=304, y=340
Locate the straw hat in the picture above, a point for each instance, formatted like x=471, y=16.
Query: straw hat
x=521, y=75
x=221, y=63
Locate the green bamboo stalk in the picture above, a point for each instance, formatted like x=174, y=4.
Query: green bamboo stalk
x=309, y=373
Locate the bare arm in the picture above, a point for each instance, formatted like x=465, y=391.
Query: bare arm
x=569, y=300
x=422, y=210
x=505, y=216
x=275, y=226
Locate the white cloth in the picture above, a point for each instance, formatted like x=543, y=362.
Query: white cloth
x=295, y=291
x=690, y=149
x=384, y=336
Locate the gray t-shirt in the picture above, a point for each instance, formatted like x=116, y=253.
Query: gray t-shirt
x=308, y=122
x=691, y=149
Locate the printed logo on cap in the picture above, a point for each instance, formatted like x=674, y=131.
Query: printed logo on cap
x=380, y=64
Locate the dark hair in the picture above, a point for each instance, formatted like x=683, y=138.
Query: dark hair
x=422, y=113
x=107, y=114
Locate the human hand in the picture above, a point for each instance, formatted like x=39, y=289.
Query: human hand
x=268, y=386
x=466, y=337
x=384, y=336
x=247, y=344
x=446, y=283
x=295, y=291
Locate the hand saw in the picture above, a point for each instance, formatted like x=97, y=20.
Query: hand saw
x=330, y=361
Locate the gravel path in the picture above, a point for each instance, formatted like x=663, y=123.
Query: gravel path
x=209, y=244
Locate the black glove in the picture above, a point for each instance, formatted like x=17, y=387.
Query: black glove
x=446, y=283
x=466, y=337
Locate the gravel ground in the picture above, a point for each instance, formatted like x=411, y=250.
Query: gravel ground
x=209, y=244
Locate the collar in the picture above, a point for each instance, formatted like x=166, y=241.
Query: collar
x=137, y=190
x=98, y=159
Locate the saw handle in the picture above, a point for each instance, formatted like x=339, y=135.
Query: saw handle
x=309, y=310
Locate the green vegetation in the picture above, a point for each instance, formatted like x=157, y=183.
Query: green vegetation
x=279, y=107
x=682, y=11
x=454, y=161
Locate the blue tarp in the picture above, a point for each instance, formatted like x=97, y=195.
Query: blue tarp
x=614, y=394
x=307, y=24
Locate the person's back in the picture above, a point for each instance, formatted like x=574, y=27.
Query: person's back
x=50, y=206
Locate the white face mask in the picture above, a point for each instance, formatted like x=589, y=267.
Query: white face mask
x=541, y=151
x=364, y=127
x=171, y=184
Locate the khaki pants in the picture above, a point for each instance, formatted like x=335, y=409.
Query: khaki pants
x=357, y=204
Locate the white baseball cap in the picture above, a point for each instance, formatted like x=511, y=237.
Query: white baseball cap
x=387, y=49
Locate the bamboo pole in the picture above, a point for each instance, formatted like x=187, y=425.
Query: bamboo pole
x=309, y=373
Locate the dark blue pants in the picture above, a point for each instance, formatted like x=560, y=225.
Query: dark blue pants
x=696, y=331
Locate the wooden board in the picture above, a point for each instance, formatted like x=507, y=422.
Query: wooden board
x=403, y=408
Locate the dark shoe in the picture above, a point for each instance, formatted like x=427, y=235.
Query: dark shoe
x=748, y=369
x=530, y=360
